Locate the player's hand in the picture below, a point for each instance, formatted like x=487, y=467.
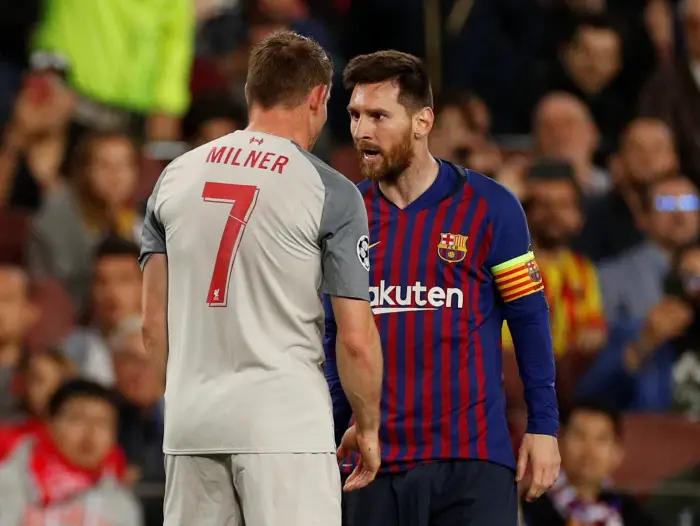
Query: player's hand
x=539, y=454
x=367, y=444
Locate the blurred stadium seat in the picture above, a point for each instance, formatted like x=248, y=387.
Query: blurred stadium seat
x=656, y=447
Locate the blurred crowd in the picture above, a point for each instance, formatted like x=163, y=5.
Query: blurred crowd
x=588, y=110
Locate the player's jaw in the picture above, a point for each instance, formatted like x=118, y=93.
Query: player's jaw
x=385, y=164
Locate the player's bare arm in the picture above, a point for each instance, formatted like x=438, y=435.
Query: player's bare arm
x=360, y=364
x=359, y=359
x=154, y=309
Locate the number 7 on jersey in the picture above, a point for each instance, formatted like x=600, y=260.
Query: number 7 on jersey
x=242, y=199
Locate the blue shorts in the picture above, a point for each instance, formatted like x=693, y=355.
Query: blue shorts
x=444, y=493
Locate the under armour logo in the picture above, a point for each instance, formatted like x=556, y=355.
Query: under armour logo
x=256, y=140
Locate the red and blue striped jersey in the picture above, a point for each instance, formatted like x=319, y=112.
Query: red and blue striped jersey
x=443, y=273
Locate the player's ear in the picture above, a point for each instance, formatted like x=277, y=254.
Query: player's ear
x=318, y=97
x=423, y=121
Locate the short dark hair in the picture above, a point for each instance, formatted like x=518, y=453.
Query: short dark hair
x=80, y=388
x=284, y=68
x=582, y=22
x=116, y=246
x=407, y=71
x=552, y=169
x=209, y=106
x=597, y=406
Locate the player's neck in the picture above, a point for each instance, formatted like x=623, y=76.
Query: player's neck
x=285, y=123
x=413, y=182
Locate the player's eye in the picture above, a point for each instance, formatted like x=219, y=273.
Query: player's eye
x=377, y=116
x=354, y=115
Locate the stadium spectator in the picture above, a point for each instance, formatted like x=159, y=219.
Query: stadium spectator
x=33, y=145
x=571, y=283
x=669, y=215
x=564, y=129
x=38, y=377
x=140, y=410
x=67, y=475
x=452, y=138
x=647, y=154
x=653, y=364
x=588, y=63
x=125, y=64
x=18, y=314
x=212, y=115
x=591, y=450
x=98, y=201
x=673, y=94
x=115, y=296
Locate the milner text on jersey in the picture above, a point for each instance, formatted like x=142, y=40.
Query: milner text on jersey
x=261, y=160
x=387, y=299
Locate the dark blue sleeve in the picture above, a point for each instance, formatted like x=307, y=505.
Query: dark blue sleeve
x=342, y=412
x=608, y=377
x=527, y=317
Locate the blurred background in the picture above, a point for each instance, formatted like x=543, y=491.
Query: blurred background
x=588, y=110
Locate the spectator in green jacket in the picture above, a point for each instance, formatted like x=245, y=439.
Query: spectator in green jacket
x=125, y=59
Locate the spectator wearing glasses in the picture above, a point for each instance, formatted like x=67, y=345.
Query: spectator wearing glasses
x=653, y=364
x=633, y=282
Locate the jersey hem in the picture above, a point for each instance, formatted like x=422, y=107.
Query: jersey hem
x=244, y=451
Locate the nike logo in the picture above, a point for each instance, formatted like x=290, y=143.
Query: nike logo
x=373, y=245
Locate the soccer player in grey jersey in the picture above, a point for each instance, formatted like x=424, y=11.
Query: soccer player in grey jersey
x=240, y=238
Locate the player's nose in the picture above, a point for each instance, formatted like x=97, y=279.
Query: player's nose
x=361, y=129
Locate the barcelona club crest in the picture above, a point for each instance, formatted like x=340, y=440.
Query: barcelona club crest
x=534, y=271
x=452, y=247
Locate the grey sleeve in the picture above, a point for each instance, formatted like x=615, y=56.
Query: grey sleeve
x=344, y=239
x=153, y=234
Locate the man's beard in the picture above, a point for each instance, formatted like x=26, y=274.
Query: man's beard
x=548, y=241
x=391, y=164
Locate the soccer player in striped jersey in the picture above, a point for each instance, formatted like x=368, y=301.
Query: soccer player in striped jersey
x=450, y=260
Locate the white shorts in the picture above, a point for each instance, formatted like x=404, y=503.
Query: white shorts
x=252, y=490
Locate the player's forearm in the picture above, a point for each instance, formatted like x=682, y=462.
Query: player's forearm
x=155, y=340
x=155, y=308
x=528, y=321
x=360, y=364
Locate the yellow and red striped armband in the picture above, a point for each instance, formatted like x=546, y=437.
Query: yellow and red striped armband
x=518, y=277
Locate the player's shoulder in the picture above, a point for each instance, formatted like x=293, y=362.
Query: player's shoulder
x=364, y=186
x=488, y=187
x=333, y=181
x=499, y=199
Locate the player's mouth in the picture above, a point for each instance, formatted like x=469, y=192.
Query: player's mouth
x=370, y=154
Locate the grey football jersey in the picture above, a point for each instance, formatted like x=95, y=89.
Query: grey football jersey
x=254, y=229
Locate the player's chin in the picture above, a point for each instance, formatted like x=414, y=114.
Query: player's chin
x=372, y=170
